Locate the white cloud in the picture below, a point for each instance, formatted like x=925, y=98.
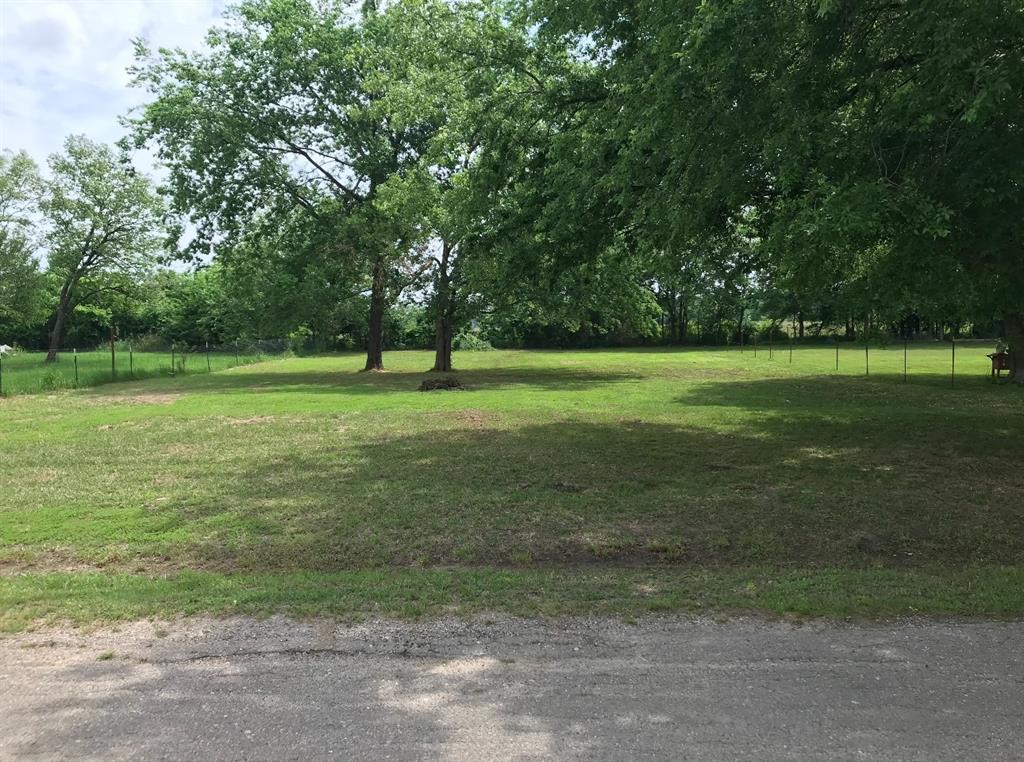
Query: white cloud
x=63, y=64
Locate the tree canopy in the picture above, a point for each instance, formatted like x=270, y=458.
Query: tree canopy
x=568, y=171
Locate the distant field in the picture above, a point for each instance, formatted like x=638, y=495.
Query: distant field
x=27, y=373
x=618, y=481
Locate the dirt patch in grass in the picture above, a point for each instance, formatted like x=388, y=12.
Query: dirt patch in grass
x=257, y=419
x=91, y=397
x=474, y=418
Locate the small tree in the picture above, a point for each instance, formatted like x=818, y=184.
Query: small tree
x=22, y=287
x=102, y=217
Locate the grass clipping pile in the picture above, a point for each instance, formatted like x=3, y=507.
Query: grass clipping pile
x=448, y=383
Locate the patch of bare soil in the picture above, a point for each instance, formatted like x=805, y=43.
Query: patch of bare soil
x=251, y=421
x=148, y=398
x=474, y=418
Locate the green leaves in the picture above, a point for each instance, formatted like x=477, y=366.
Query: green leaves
x=101, y=215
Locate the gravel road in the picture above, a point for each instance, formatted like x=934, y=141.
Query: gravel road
x=664, y=688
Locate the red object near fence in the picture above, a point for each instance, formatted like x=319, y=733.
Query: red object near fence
x=1000, y=362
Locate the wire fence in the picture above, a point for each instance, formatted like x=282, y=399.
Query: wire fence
x=949, y=362
x=31, y=373
x=905, y=359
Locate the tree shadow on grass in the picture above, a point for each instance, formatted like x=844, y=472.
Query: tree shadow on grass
x=783, y=493
x=348, y=382
x=960, y=424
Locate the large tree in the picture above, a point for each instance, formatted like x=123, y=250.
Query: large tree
x=102, y=219
x=289, y=107
x=880, y=144
x=22, y=287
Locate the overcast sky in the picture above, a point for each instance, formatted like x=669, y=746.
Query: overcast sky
x=62, y=64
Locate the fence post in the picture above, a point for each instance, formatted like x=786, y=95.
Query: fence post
x=207, y=357
x=236, y=351
x=771, y=342
x=76, y=366
x=1, y=374
x=131, y=362
x=791, y=329
x=755, y=342
x=837, y=353
x=865, y=357
x=904, y=359
x=172, y=358
x=113, y=357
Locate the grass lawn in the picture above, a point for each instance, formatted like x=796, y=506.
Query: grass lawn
x=27, y=373
x=589, y=481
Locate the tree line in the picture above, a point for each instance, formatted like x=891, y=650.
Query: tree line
x=547, y=172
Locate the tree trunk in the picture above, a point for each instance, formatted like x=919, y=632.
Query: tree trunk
x=59, y=322
x=1014, y=330
x=375, y=341
x=684, y=325
x=443, y=320
x=443, y=344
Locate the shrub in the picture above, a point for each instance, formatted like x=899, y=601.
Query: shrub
x=300, y=339
x=468, y=341
x=52, y=380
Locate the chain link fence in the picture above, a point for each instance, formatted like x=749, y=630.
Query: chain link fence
x=24, y=372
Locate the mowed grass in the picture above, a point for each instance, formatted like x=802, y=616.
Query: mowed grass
x=558, y=482
x=27, y=373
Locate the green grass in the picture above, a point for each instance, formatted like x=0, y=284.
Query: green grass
x=27, y=373
x=560, y=482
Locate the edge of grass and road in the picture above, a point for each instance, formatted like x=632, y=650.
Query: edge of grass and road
x=28, y=600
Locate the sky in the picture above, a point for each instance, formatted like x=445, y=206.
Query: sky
x=63, y=64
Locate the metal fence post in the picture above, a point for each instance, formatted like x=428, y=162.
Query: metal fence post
x=172, y=358
x=113, y=357
x=236, y=351
x=904, y=359
x=131, y=361
x=952, y=367
x=207, y=357
x=76, y=366
x=791, y=329
x=865, y=357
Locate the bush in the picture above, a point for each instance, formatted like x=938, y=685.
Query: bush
x=467, y=341
x=300, y=339
x=149, y=342
x=345, y=342
x=53, y=380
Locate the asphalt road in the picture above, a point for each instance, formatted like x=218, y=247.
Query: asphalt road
x=670, y=688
